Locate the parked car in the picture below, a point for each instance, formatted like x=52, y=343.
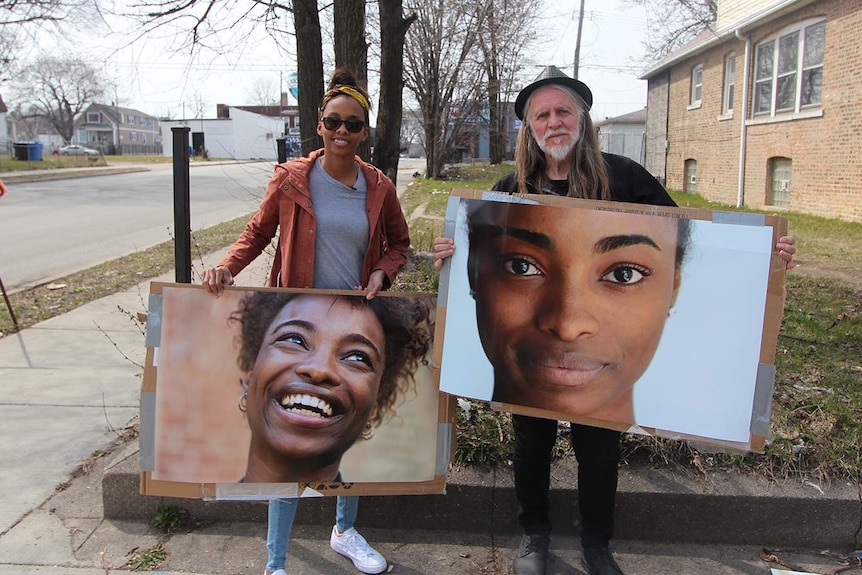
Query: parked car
x=76, y=150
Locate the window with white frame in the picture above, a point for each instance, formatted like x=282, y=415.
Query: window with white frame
x=788, y=73
x=729, y=84
x=133, y=136
x=696, y=84
x=94, y=117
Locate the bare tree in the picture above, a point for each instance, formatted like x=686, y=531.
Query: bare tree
x=19, y=19
x=440, y=73
x=58, y=90
x=509, y=28
x=393, y=29
x=674, y=22
x=309, y=59
x=411, y=130
x=18, y=12
x=222, y=27
x=351, y=46
x=198, y=105
x=263, y=92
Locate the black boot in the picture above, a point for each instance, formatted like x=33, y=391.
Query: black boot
x=532, y=558
x=599, y=561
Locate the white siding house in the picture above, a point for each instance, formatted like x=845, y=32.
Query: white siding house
x=242, y=136
x=624, y=135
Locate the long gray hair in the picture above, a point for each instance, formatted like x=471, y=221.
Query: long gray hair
x=588, y=175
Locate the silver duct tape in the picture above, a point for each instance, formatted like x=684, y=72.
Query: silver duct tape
x=444, y=442
x=449, y=232
x=257, y=491
x=154, y=320
x=762, y=407
x=739, y=218
x=508, y=198
x=147, y=435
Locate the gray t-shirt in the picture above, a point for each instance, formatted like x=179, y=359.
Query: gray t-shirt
x=342, y=229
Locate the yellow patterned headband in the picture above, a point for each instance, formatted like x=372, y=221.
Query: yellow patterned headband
x=347, y=91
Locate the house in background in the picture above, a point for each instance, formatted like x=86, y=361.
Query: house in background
x=116, y=130
x=288, y=114
x=241, y=135
x=624, y=135
x=764, y=110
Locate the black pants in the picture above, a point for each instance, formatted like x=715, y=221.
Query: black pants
x=598, y=454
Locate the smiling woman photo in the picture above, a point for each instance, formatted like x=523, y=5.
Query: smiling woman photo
x=321, y=371
x=571, y=304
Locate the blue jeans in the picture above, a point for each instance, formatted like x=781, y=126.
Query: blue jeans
x=281, y=515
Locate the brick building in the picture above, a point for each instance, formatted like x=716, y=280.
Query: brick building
x=765, y=109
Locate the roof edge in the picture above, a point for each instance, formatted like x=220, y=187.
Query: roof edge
x=742, y=26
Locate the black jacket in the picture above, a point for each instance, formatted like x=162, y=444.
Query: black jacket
x=628, y=180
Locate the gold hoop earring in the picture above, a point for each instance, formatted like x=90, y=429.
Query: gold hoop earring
x=368, y=431
x=241, y=402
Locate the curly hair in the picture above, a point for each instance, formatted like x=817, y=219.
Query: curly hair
x=407, y=327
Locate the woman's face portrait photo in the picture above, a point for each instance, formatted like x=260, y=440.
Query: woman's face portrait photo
x=266, y=386
x=570, y=305
x=657, y=320
x=313, y=387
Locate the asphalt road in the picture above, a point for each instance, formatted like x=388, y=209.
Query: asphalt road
x=52, y=228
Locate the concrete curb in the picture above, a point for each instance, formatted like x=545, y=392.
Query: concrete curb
x=67, y=173
x=89, y=171
x=652, y=505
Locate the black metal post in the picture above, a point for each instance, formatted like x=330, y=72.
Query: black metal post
x=182, y=209
x=9, y=306
x=281, y=145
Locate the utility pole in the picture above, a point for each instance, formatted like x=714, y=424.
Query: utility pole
x=578, y=42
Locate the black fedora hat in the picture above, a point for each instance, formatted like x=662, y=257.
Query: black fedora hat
x=552, y=75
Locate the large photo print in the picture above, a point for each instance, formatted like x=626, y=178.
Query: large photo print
x=645, y=319
x=293, y=386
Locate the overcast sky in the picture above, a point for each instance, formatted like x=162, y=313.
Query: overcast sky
x=157, y=81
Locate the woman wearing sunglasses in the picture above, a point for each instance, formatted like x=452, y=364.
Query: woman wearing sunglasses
x=340, y=226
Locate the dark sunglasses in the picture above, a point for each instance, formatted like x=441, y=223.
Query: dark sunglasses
x=353, y=126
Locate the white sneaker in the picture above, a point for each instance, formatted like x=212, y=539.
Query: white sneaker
x=277, y=572
x=354, y=546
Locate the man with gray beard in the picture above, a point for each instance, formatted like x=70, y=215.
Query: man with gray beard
x=558, y=153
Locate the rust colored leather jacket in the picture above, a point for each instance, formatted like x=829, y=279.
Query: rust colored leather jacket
x=287, y=204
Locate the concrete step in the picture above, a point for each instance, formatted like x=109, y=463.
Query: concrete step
x=652, y=505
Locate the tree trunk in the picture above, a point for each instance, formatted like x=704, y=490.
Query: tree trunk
x=309, y=73
x=496, y=121
x=387, y=141
x=351, y=48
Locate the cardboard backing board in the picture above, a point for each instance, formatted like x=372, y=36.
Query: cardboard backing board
x=709, y=378
x=196, y=442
